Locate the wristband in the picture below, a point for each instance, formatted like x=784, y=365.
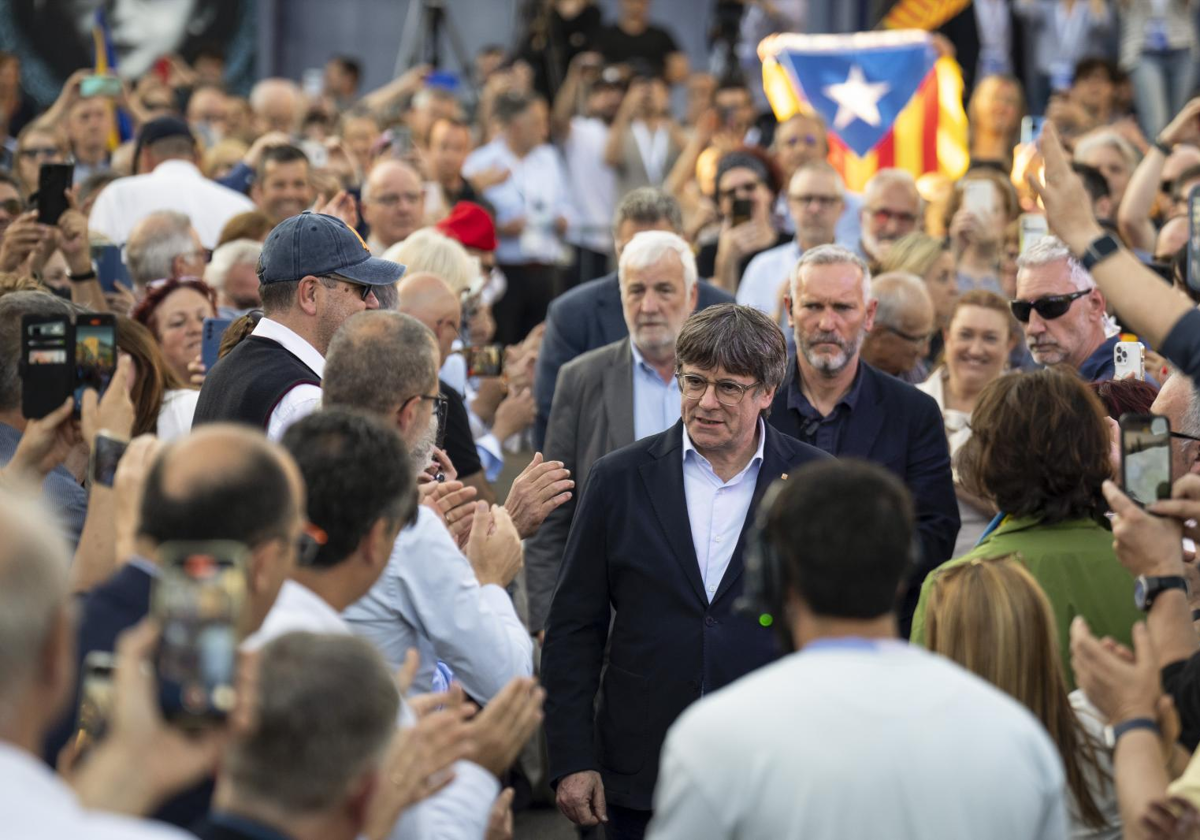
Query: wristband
x=1112, y=734
x=82, y=278
x=1100, y=249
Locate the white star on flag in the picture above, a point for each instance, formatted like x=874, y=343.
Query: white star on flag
x=857, y=98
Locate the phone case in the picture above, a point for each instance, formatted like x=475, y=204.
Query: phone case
x=1129, y=359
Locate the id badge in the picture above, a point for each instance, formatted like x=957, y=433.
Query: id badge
x=1156, y=35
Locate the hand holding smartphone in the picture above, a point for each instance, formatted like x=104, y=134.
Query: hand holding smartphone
x=210, y=341
x=484, y=360
x=54, y=179
x=1146, y=457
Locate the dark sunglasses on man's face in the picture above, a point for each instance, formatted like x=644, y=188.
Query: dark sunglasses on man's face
x=1047, y=308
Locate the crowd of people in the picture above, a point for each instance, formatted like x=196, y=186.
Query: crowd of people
x=562, y=448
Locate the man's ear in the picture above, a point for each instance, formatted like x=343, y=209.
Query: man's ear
x=376, y=545
x=869, y=321
x=306, y=294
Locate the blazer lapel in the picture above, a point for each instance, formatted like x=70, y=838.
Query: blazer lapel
x=663, y=478
x=618, y=398
x=865, y=420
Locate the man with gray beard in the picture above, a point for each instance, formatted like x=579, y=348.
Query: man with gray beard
x=449, y=605
x=837, y=402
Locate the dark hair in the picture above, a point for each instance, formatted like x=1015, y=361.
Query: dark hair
x=756, y=160
x=1189, y=174
x=249, y=503
x=508, y=106
x=357, y=472
x=278, y=297
x=740, y=339
x=160, y=290
x=648, y=206
x=1092, y=64
x=238, y=331
x=1125, y=396
x=154, y=377
x=1093, y=181
x=12, y=307
x=840, y=571
x=278, y=154
x=349, y=65
x=1039, y=447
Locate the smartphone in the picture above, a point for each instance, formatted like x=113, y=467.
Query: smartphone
x=742, y=211
x=1193, y=244
x=47, y=363
x=1129, y=358
x=54, y=179
x=210, y=341
x=484, y=360
x=95, y=354
x=199, y=601
x=443, y=410
x=110, y=267
x=402, y=142
x=1031, y=129
x=96, y=693
x=106, y=455
x=979, y=198
x=100, y=85
x=1146, y=457
x=1033, y=228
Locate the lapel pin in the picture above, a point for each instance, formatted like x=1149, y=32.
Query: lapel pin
x=783, y=477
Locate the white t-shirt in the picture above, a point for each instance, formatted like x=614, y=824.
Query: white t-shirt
x=593, y=184
x=857, y=739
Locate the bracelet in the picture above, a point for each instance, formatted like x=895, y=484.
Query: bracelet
x=1162, y=147
x=82, y=278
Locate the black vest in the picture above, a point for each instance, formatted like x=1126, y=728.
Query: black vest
x=246, y=385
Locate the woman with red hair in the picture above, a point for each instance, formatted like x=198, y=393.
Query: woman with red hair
x=174, y=311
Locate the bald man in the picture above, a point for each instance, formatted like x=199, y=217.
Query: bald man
x=431, y=301
x=899, y=338
x=222, y=482
x=276, y=105
x=392, y=204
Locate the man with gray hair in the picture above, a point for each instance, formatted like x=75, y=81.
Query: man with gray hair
x=233, y=273
x=622, y=392
x=891, y=208
x=163, y=246
x=899, y=339
x=834, y=400
x=591, y=315
x=657, y=537
x=1062, y=312
x=1179, y=401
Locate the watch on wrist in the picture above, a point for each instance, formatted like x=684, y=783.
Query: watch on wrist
x=1148, y=587
x=1098, y=250
x=90, y=274
x=1112, y=734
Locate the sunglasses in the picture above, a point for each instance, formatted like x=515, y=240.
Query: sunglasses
x=1047, y=308
x=883, y=216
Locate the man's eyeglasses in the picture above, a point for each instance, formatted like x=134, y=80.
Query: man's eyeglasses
x=918, y=340
x=392, y=199
x=360, y=289
x=822, y=201
x=1182, y=436
x=806, y=139
x=728, y=392
x=1047, y=308
x=882, y=216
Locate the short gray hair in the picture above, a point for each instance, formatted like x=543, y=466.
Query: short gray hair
x=889, y=178
x=1190, y=421
x=649, y=246
x=430, y=250
x=740, y=339
x=647, y=205
x=895, y=292
x=154, y=243
x=1112, y=140
x=327, y=710
x=13, y=306
x=1051, y=249
x=33, y=587
x=833, y=255
x=236, y=252
x=377, y=359
x=822, y=166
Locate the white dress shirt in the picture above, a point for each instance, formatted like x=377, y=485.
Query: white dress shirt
x=428, y=598
x=35, y=804
x=717, y=509
x=303, y=399
x=173, y=185
x=656, y=404
x=593, y=184
x=458, y=811
x=850, y=738
x=175, y=416
x=765, y=276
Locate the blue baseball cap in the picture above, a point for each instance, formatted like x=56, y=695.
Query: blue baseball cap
x=320, y=245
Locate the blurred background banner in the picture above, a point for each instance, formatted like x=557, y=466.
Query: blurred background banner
x=888, y=98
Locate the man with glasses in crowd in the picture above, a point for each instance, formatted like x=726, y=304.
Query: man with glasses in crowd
x=657, y=536
x=891, y=209
x=904, y=323
x=1063, y=312
x=799, y=141
x=844, y=406
x=393, y=204
x=315, y=272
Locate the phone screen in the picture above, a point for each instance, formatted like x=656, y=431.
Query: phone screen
x=198, y=601
x=1146, y=457
x=743, y=209
x=484, y=360
x=95, y=699
x=1193, y=244
x=210, y=341
x=95, y=354
x=47, y=369
x=443, y=410
x=1031, y=129
x=54, y=179
x=106, y=455
x=100, y=85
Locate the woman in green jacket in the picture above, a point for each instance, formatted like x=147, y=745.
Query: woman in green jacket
x=1039, y=449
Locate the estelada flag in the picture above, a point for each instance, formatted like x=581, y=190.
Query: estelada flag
x=105, y=62
x=886, y=97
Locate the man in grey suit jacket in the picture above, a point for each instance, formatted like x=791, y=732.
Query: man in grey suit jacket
x=616, y=394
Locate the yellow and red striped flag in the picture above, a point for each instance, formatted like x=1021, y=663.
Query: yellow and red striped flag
x=922, y=14
x=887, y=98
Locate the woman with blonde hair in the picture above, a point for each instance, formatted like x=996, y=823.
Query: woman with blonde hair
x=429, y=250
x=932, y=260
x=991, y=617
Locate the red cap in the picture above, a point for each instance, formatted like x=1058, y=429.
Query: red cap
x=470, y=224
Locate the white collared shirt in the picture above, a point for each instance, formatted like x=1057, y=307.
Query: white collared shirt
x=765, y=275
x=303, y=399
x=656, y=404
x=36, y=804
x=461, y=809
x=173, y=185
x=717, y=509
x=428, y=598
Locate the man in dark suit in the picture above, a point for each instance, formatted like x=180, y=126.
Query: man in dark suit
x=590, y=316
x=838, y=403
x=656, y=548
x=619, y=393
x=222, y=482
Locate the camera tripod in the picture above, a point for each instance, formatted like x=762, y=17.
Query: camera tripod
x=421, y=40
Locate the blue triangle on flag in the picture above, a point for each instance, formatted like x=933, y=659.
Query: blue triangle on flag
x=874, y=86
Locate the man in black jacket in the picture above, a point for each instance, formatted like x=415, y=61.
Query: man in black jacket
x=657, y=538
